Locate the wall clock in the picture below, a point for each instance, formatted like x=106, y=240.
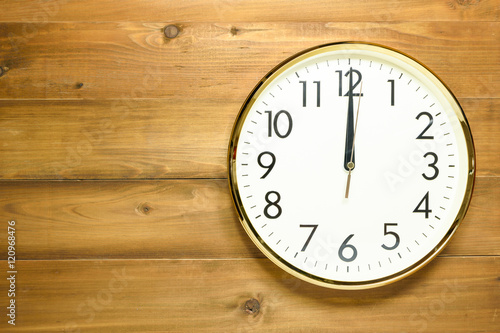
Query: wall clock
x=351, y=165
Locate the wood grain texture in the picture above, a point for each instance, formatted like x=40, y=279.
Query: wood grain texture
x=459, y=295
x=250, y=10
x=172, y=219
x=221, y=61
x=160, y=138
x=113, y=163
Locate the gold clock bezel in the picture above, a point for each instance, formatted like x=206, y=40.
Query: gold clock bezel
x=255, y=93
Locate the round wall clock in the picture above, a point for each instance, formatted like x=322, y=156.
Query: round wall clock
x=351, y=165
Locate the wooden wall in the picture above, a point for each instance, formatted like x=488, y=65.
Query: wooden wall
x=113, y=165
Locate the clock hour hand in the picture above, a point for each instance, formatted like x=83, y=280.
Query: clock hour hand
x=349, y=133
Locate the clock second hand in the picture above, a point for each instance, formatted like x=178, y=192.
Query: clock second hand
x=350, y=165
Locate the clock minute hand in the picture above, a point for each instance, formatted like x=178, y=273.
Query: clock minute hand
x=351, y=162
x=349, y=134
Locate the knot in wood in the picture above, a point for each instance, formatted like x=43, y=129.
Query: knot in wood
x=234, y=31
x=144, y=208
x=252, y=306
x=171, y=31
x=1, y=71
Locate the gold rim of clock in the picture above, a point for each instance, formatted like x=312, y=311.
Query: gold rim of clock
x=233, y=184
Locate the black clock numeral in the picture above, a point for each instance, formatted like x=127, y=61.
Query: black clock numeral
x=272, y=204
x=304, y=93
x=396, y=236
x=392, y=91
x=421, y=135
x=268, y=167
x=426, y=210
x=432, y=165
x=349, y=246
x=351, y=85
x=340, y=82
x=274, y=124
x=314, y=227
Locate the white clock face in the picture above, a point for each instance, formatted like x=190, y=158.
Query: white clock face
x=351, y=166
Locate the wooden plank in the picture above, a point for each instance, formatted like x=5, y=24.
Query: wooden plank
x=250, y=11
x=449, y=295
x=220, y=61
x=115, y=139
x=160, y=138
x=484, y=121
x=171, y=219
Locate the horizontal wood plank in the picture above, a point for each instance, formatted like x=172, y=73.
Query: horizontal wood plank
x=116, y=139
x=220, y=61
x=448, y=295
x=250, y=11
x=171, y=219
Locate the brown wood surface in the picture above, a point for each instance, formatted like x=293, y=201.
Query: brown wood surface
x=159, y=138
x=173, y=219
x=221, y=61
x=210, y=295
x=113, y=164
x=250, y=10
